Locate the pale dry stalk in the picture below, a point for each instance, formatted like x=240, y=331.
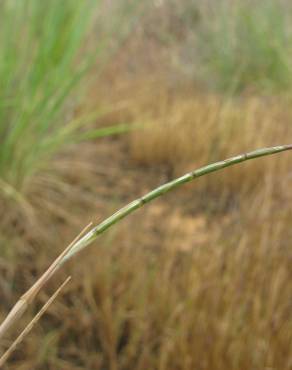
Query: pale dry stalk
x=31, y=324
x=25, y=300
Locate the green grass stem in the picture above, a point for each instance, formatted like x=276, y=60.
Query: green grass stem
x=163, y=189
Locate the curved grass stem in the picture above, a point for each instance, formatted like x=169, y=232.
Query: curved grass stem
x=165, y=188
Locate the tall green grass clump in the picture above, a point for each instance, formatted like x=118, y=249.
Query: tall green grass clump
x=246, y=45
x=43, y=58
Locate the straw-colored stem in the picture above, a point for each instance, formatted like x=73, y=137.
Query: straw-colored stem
x=138, y=203
x=31, y=324
x=25, y=300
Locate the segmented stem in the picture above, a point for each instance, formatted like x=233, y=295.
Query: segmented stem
x=165, y=188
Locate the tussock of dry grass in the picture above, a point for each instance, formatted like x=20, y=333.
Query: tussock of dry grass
x=186, y=129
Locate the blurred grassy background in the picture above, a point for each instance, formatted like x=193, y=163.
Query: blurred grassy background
x=200, y=279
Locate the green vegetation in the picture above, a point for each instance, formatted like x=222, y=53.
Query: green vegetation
x=45, y=55
x=41, y=63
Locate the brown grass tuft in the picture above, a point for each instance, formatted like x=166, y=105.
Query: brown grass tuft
x=186, y=129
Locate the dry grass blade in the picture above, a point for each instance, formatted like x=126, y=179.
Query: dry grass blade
x=25, y=300
x=28, y=328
